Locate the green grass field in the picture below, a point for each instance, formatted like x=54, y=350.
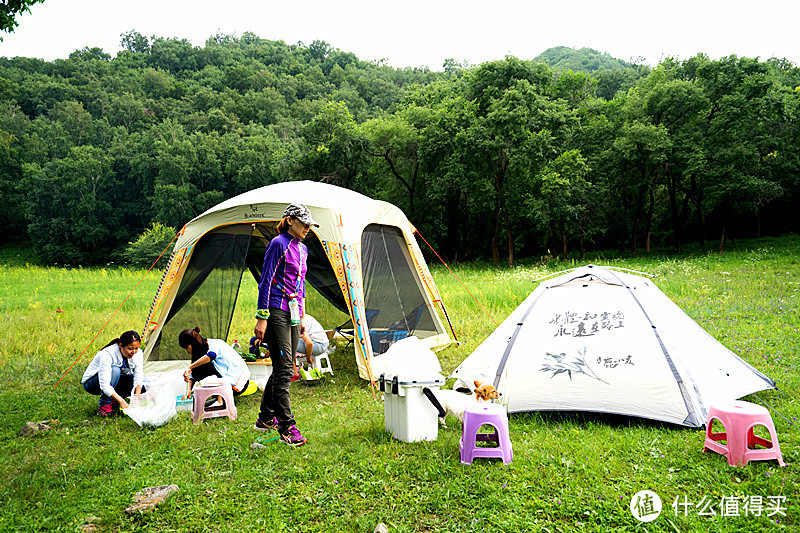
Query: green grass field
x=570, y=472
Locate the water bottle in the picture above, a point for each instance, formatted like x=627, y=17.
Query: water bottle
x=236, y=346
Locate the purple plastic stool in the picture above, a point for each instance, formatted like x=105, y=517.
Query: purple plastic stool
x=486, y=414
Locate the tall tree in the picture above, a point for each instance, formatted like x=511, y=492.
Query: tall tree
x=72, y=216
x=560, y=199
x=335, y=148
x=10, y=9
x=394, y=147
x=511, y=136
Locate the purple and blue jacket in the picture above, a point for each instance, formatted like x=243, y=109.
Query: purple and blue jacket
x=283, y=273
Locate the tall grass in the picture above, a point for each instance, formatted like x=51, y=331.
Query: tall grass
x=570, y=472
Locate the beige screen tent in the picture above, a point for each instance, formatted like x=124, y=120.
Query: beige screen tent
x=363, y=258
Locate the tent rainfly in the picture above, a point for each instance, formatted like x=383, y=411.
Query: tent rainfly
x=599, y=340
x=363, y=258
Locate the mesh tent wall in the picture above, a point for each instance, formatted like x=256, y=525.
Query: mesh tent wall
x=363, y=258
x=602, y=341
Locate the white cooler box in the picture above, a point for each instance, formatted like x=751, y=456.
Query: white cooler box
x=408, y=413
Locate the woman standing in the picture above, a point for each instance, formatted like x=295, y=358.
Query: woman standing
x=279, y=319
x=115, y=372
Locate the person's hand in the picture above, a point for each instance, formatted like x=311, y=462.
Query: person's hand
x=310, y=361
x=260, y=329
x=123, y=404
x=187, y=374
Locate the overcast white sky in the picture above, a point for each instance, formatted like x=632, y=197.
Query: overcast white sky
x=425, y=33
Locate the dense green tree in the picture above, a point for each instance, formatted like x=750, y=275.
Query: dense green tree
x=394, y=147
x=508, y=155
x=511, y=138
x=585, y=60
x=70, y=206
x=738, y=138
x=454, y=221
x=560, y=200
x=334, y=146
x=10, y=9
x=640, y=151
x=135, y=42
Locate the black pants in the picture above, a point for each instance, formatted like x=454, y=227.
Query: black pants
x=203, y=371
x=282, y=338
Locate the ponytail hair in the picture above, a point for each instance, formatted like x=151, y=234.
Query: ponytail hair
x=283, y=225
x=192, y=337
x=125, y=339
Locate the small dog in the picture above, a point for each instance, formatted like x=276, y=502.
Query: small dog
x=454, y=403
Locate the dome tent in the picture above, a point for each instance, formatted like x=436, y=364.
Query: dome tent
x=598, y=340
x=363, y=258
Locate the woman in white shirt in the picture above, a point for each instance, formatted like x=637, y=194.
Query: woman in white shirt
x=213, y=357
x=313, y=339
x=115, y=372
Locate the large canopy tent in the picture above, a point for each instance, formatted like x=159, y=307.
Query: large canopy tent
x=363, y=258
x=598, y=340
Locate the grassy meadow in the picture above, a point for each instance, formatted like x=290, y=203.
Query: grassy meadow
x=571, y=472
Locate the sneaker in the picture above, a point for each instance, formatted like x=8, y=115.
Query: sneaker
x=213, y=403
x=104, y=411
x=266, y=426
x=292, y=437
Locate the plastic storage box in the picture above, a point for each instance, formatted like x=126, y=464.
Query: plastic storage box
x=408, y=413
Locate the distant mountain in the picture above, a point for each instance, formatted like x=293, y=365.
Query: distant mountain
x=583, y=60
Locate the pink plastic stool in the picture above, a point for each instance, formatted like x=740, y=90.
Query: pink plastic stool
x=739, y=419
x=487, y=414
x=203, y=392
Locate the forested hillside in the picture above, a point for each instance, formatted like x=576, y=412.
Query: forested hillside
x=498, y=160
x=585, y=59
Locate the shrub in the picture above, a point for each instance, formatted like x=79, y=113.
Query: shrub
x=149, y=245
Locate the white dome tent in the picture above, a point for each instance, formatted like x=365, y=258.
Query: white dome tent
x=599, y=340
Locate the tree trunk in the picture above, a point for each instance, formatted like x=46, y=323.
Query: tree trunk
x=583, y=234
x=724, y=211
x=563, y=245
x=758, y=223
x=697, y=200
x=452, y=210
x=510, y=240
x=672, y=191
x=649, y=221
x=495, y=236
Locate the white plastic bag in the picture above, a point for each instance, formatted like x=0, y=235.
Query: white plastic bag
x=154, y=408
x=408, y=356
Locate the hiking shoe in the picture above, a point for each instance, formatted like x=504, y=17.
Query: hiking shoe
x=104, y=411
x=213, y=403
x=266, y=426
x=292, y=437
